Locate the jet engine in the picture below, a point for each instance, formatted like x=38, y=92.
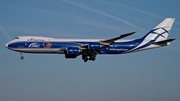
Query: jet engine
x=72, y=52
x=94, y=46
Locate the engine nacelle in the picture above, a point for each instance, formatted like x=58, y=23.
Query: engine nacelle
x=94, y=46
x=72, y=51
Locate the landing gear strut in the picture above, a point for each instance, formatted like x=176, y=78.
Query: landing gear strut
x=21, y=57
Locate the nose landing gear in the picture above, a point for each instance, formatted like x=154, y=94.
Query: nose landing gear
x=21, y=57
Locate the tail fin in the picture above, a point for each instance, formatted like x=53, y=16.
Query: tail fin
x=161, y=31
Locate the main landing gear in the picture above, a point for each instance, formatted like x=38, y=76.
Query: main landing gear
x=89, y=55
x=90, y=58
x=21, y=57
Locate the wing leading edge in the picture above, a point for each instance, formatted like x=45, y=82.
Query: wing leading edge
x=107, y=42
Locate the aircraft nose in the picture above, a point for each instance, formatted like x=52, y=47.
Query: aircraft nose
x=6, y=45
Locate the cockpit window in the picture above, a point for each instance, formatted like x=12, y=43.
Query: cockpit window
x=17, y=38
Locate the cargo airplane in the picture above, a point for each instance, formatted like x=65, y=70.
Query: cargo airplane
x=89, y=48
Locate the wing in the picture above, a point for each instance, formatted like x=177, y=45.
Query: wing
x=91, y=49
x=112, y=40
x=103, y=43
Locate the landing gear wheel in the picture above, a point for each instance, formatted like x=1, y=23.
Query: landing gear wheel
x=86, y=59
x=89, y=59
x=22, y=57
x=93, y=59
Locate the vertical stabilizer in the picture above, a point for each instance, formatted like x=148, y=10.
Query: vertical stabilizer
x=161, y=31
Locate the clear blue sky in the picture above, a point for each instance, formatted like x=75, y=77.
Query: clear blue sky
x=152, y=75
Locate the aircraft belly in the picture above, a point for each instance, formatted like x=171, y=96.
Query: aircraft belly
x=27, y=50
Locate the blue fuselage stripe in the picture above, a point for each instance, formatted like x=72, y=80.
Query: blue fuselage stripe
x=116, y=48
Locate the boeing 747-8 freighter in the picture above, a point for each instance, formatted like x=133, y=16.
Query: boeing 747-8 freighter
x=89, y=48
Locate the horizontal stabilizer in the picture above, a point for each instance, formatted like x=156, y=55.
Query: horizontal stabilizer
x=163, y=42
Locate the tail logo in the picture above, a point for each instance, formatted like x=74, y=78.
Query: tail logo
x=155, y=31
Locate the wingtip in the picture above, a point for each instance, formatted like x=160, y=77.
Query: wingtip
x=131, y=33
